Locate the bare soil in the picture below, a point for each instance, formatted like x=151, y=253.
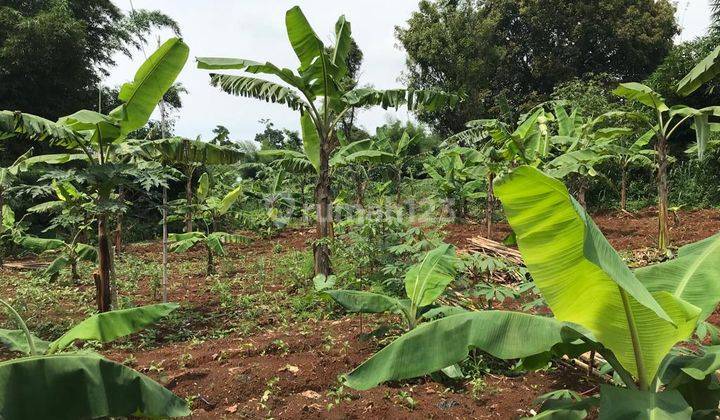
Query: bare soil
x=284, y=368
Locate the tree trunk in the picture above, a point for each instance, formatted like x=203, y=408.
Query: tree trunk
x=188, y=200
x=210, y=263
x=119, y=226
x=490, y=204
x=2, y=203
x=582, y=189
x=662, y=184
x=360, y=192
x=398, y=190
x=102, y=281
x=323, y=201
x=164, y=247
x=74, y=270
x=623, y=189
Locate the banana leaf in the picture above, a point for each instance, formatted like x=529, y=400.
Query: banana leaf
x=438, y=344
x=152, y=80
x=15, y=340
x=692, y=276
x=81, y=386
x=108, y=326
x=426, y=281
x=584, y=280
x=622, y=403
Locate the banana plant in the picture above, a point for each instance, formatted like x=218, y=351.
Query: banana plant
x=630, y=154
x=502, y=146
x=100, y=137
x=662, y=122
x=11, y=231
x=360, y=153
x=425, y=282
x=212, y=242
x=400, y=156
x=633, y=319
x=210, y=208
x=52, y=380
x=189, y=155
x=316, y=90
x=584, y=144
x=459, y=177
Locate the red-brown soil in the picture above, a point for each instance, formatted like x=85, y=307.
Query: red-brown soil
x=289, y=368
x=625, y=231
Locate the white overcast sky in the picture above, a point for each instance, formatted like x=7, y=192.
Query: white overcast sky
x=255, y=29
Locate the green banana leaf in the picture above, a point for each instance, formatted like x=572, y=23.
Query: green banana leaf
x=304, y=40
x=426, y=281
x=230, y=199
x=181, y=242
x=622, y=403
x=365, y=302
x=179, y=150
x=438, y=344
x=152, y=80
x=15, y=340
x=81, y=386
x=565, y=409
x=39, y=245
x=203, y=187
x=692, y=276
x=640, y=93
x=582, y=277
x=702, y=73
x=311, y=140
x=694, y=376
x=108, y=326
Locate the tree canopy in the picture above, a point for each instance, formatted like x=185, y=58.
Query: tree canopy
x=37, y=38
x=498, y=51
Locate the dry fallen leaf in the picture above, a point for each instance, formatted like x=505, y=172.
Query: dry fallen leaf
x=290, y=368
x=232, y=409
x=311, y=394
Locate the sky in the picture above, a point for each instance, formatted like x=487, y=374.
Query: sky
x=255, y=29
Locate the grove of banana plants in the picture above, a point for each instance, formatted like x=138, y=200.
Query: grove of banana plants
x=485, y=209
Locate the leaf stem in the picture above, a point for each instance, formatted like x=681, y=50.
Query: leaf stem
x=23, y=326
x=642, y=373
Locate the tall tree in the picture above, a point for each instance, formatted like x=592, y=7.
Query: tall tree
x=81, y=37
x=317, y=92
x=518, y=50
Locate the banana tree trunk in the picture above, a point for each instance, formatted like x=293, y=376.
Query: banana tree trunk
x=188, y=200
x=2, y=203
x=119, y=226
x=661, y=148
x=581, y=194
x=490, y=205
x=164, y=247
x=323, y=201
x=623, y=189
x=210, y=262
x=103, y=279
x=360, y=186
x=398, y=189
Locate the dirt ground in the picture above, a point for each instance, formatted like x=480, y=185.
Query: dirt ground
x=280, y=367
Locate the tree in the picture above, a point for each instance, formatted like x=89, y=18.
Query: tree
x=317, y=92
x=222, y=136
x=102, y=139
x=663, y=122
x=493, y=51
x=37, y=38
x=272, y=138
